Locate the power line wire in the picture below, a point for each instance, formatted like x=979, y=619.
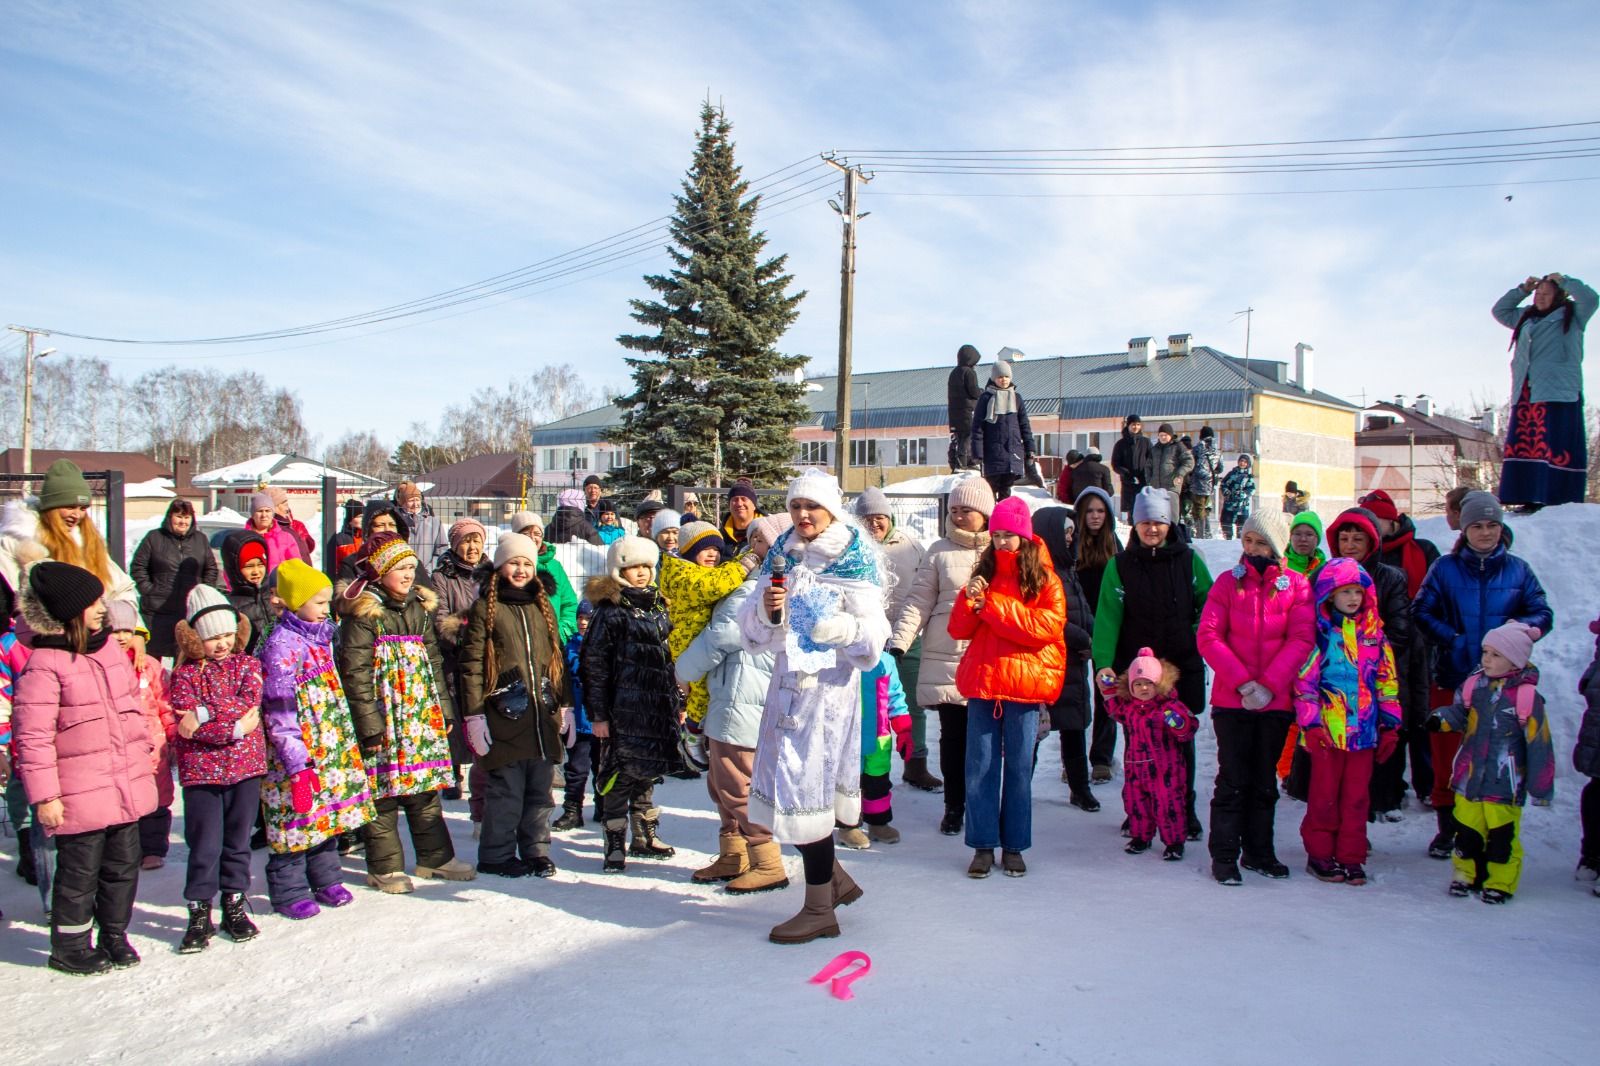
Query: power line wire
x=1247, y=192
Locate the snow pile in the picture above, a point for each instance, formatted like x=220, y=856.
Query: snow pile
x=1094, y=957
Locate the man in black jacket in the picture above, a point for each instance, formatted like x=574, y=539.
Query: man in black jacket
x=962, y=398
x=1129, y=459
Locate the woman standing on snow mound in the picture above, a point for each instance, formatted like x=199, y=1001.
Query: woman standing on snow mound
x=1546, y=452
x=830, y=625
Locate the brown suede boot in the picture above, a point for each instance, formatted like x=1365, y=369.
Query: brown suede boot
x=845, y=890
x=732, y=860
x=765, y=873
x=814, y=920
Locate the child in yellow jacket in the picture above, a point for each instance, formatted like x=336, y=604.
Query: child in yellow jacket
x=692, y=583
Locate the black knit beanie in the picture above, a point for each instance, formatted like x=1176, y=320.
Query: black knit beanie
x=66, y=591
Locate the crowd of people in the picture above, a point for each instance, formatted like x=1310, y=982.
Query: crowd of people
x=786, y=659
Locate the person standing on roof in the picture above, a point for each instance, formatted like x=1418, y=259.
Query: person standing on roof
x=1129, y=459
x=1002, y=436
x=961, y=398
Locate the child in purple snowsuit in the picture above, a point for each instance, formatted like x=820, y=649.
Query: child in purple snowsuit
x=1157, y=724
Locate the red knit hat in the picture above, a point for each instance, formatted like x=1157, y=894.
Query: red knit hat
x=253, y=549
x=1381, y=505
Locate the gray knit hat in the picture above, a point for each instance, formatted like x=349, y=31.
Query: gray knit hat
x=1152, y=505
x=872, y=501
x=973, y=492
x=1480, y=506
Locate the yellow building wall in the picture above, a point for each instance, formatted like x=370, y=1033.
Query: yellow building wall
x=1309, y=444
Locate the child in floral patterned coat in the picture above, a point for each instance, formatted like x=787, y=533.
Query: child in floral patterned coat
x=393, y=675
x=214, y=726
x=316, y=785
x=1155, y=776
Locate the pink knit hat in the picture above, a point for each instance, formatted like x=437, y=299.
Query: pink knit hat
x=1514, y=640
x=1011, y=515
x=1145, y=667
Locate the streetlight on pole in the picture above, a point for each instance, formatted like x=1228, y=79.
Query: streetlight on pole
x=27, y=392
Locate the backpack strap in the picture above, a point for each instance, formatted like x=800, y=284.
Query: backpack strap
x=1524, y=700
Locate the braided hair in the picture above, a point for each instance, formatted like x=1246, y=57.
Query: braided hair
x=553, y=669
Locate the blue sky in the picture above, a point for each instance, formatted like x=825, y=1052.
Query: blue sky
x=196, y=169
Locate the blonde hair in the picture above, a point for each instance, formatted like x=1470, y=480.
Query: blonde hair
x=89, y=553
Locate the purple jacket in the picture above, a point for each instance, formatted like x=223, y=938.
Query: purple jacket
x=295, y=649
x=80, y=737
x=227, y=689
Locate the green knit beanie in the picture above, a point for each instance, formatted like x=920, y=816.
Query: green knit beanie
x=64, y=486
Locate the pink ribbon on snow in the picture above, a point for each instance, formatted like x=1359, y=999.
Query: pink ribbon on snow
x=838, y=981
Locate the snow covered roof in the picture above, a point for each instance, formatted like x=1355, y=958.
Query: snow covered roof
x=155, y=489
x=279, y=468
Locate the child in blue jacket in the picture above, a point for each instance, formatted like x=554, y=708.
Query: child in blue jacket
x=581, y=752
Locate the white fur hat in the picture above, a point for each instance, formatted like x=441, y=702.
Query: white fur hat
x=631, y=551
x=819, y=487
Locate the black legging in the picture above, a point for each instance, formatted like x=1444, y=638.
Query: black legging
x=817, y=857
x=1589, y=808
x=1103, y=733
x=1075, y=760
x=953, y=754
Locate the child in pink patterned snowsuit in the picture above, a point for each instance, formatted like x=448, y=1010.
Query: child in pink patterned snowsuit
x=1157, y=724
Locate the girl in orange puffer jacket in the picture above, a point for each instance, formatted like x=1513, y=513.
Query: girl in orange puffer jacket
x=1014, y=612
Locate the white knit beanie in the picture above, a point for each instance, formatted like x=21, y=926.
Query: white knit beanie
x=974, y=493
x=515, y=546
x=210, y=613
x=631, y=551
x=524, y=519
x=666, y=518
x=818, y=487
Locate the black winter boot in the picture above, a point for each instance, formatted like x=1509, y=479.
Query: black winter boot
x=616, y=847
x=198, y=936
x=114, y=942
x=950, y=824
x=646, y=845
x=73, y=953
x=571, y=816
x=1445, y=841
x=235, y=922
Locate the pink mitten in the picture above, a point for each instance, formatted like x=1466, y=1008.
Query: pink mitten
x=303, y=789
x=901, y=725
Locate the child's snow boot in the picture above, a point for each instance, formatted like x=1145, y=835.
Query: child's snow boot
x=197, y=937
x=616, y=846
x=646, y=845
x=454, y=870
x=1226, y=873
x=235, y=922
x=854, y=837
x=1266, y=866
x=766, y=871
x=1495, y=895
x=1445, y=840
x=1325, y=870
x=1172, y=852
x=1355, y=874
x=1136, y=846
x=1459, y=889
x=571, y=816
x=918, y=777
x=733, y=859
x=114, y=942
x=814, y=921
x=883, y=834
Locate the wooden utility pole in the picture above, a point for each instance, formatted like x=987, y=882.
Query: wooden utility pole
x=847, y=300
x=27, y=392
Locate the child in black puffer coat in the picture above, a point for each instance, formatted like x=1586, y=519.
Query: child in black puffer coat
x=631, y=694
x=1586, y=760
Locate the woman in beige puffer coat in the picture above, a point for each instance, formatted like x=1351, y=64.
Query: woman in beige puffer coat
x=941, y=577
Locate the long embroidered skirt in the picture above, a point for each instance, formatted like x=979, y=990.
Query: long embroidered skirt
x=1546, y=454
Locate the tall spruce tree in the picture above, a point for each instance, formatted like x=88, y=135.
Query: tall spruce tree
x=716, y=378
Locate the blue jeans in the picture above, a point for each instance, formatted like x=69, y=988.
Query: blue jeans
x=1000, y=774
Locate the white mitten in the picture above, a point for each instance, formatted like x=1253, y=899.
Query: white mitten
x=835, y=632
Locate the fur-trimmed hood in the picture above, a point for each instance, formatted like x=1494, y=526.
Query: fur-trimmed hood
x=1164, y=687
x=603, y=588
x=191, y=649
x=33, y=611
x=370, y=605
x=20, y=546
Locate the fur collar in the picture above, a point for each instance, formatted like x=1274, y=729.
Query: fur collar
x=191, y=649
x=33, y=612
x=603, y=588
x=371, y=604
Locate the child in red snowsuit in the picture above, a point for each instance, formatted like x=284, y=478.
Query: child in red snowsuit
x=1157, y=724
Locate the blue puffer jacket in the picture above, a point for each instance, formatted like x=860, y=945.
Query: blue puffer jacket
x=574, y=653
x=739, y=679
x=1005, y=445
x=1466, y=595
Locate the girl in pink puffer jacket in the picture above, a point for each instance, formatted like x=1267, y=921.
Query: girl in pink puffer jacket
x=84, y=755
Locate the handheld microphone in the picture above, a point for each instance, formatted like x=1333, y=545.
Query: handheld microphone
x=780, y=567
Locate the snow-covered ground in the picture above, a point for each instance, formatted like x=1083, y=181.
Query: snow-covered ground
x=1094, y=957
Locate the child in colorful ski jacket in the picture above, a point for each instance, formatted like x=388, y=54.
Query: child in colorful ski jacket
x=1347, y=703
x=885, y=729
x=1157, y=724
x=316, y=786
x=1505, y=757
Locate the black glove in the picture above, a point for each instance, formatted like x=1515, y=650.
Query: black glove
x=897, y=653
x=1434, y=723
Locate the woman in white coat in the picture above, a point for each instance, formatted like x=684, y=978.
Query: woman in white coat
x=830, y=626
